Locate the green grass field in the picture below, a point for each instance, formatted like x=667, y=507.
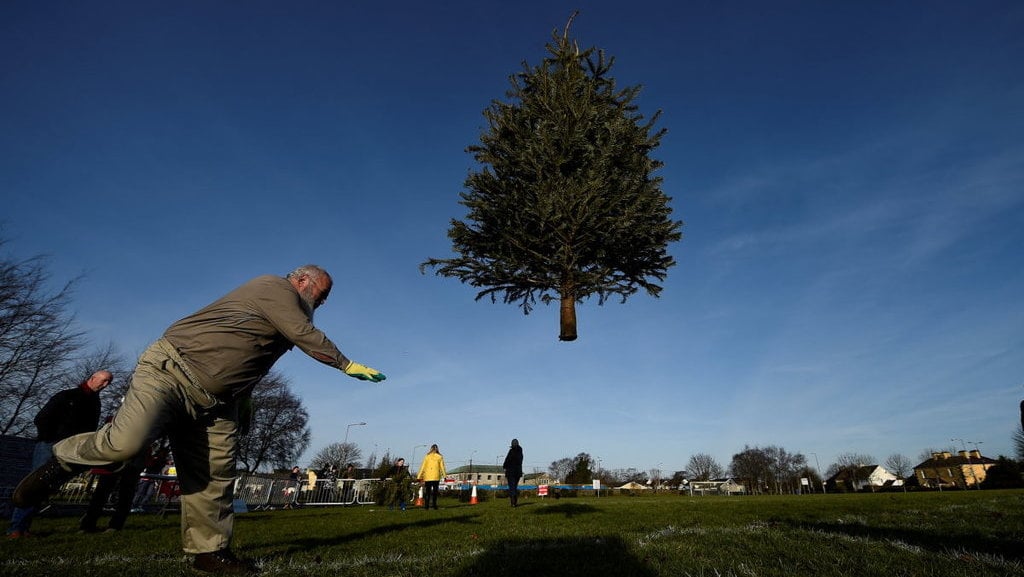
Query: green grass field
x=973, y=533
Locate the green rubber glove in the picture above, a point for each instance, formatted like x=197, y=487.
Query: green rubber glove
x=364, y=373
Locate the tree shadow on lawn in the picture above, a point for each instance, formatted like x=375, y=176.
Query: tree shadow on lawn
x=309, y=543
x=1005, y=546
x=568, y=509
x=563, y=557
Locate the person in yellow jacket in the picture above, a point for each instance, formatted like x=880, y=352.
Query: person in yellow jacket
x=431, y=472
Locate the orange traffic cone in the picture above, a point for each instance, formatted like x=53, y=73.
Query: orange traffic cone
x=472, y=496
x=419, y=498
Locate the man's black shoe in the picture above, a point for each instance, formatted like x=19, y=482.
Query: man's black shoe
x=39, y=484
x=223, y=561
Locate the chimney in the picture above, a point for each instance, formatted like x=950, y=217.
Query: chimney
x=975, y=454
x=964, y=454
x=946, y=454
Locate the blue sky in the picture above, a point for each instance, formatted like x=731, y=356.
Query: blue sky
x=851, y=176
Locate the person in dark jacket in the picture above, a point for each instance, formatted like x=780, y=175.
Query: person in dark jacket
x=400, y=486
x=67, y=413
x=291, y=490
x=122, y=484
x=513, y=466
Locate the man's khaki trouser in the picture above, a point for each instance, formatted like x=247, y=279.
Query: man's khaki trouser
x=161, y=400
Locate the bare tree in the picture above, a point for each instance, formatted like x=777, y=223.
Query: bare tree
x=381, y=469
x=337, y=454
x=785, y=469
x=37, y=341
x=561, y=469
x=703, y=467
x=654, y=478
x=813, y=477
x=678, y=479
x=628, y=475
x=279, y=431
x=849, y=462
x=899, y=465
x=769, y=468
x=581, y=471
x=752, y=466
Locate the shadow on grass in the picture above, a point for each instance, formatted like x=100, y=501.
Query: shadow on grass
x=567, y=509
x=563, y=557
x=1005, y=546
x=309, y=543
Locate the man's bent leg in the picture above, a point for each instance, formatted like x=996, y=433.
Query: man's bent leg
x=152, y=400
x=204, y=452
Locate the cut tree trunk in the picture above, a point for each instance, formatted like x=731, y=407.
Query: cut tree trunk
x=567, y=319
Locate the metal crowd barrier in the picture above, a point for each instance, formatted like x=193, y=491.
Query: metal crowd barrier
x=259, y=492
x=163, y=495
x=339, y=492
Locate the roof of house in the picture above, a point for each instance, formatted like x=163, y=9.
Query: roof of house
x=954, y=461
x=477, y=469
x=861, y=472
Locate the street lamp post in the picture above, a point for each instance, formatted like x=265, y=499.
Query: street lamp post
x=412, y=463
x=349, y=426
x=817, y=468
x=471, y=479
x=976, y=448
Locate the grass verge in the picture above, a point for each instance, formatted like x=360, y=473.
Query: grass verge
x=969, y=534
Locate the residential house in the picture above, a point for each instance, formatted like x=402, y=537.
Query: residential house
x=944, y=469
x=538, y=479
x=478, y=474
x=864, y=477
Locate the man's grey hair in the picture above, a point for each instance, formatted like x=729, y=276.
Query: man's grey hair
x=309, y=270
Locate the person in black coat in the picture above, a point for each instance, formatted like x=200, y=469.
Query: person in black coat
x=67, y=413
x=400, y=486
x=513, y=471
x=72, y=411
